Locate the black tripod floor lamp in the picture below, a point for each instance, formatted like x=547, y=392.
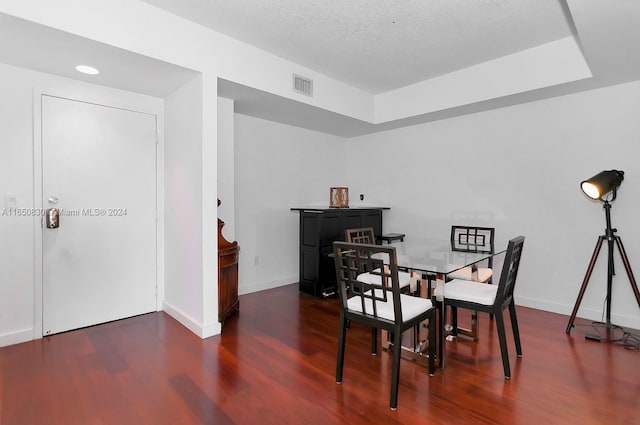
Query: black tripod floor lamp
x=603, y=187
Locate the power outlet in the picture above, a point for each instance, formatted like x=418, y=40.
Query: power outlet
x=256, y=261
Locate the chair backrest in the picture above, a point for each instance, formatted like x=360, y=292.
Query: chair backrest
x=353, y=259
x=509, y=271
x=472, y=239
x=361, y=235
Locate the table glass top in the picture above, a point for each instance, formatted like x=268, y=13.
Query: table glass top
x=435, y=256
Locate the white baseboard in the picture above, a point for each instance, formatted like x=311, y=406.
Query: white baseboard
x=257, y=287
x=203, y=331
x=16, y=337
x=583, y=312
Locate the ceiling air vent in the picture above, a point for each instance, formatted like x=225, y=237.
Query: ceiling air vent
x=302, y=85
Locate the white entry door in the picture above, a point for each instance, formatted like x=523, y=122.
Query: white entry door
x=99, y=171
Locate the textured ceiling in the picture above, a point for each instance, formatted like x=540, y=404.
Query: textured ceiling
x=381, y=45
x=344, y=39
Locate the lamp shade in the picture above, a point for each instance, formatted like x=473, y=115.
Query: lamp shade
x=602, y=183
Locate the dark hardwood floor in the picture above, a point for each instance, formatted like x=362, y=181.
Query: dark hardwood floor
x=275, y=364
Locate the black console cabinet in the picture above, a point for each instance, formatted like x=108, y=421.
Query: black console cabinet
x=318, y=229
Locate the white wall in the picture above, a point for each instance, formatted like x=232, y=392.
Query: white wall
x=278, y=167
x=141, y=28
x=18, y=301
x=226, y=167
x=183, y=205
x=515, y=168
x=185, y=236
x=519, y=169
x=16, y=189
x=528, y=135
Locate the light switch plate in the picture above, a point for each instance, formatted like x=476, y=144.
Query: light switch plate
x=10, y=201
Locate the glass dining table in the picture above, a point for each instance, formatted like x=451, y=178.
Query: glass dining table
x=432, y=260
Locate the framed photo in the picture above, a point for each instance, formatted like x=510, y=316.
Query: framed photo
x=339, y=197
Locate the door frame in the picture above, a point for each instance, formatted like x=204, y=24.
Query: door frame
x=111, y=98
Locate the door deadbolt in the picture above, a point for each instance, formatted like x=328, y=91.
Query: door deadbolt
x=52, y=218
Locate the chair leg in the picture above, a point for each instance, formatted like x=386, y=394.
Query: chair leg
x=474, y=325
x=341, y=344
x=441, y=320
x=395, y=369
x=514, y=326
x=490, y=282
x=454, y=321
x=432, y=343
x=502, y=338
x=374, y=341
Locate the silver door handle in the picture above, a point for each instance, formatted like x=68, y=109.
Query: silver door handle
x=52, y=218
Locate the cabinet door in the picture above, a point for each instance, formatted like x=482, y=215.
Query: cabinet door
x=309, y=251
x=318, y=231
x=373, y=218
x=331, y=230
x=351, y=220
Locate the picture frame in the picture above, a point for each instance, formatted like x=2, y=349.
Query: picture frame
x=339, y=197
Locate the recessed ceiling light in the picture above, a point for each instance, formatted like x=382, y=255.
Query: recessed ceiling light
x=86, y=69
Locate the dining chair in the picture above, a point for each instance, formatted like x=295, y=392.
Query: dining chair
x=360, y=235
x=472, y=239
x=365, y=235
x=493, y=299
x=378, y=304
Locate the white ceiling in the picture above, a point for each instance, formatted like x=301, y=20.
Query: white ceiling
x=381, y=45
x=29, y=45
x=376, y=45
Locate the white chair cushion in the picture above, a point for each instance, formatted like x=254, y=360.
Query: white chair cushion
x=467, y=290
x=404, y=278
x=465, y=273
x=411, y=306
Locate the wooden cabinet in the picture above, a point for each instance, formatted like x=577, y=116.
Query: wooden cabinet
x=227, y=275
x=318, y=229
